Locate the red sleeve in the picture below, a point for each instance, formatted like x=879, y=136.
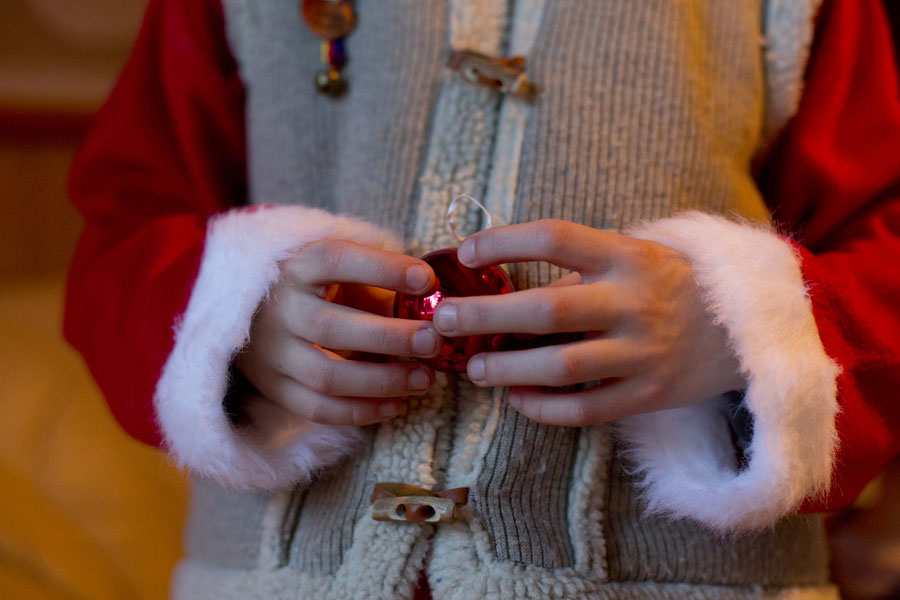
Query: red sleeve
x=164, y=153
x=834, y=182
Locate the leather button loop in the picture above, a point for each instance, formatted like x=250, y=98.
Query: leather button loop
x=506, y=75
x=404, y=502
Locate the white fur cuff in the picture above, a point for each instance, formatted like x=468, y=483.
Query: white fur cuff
x=239, y=265
x=753, y=286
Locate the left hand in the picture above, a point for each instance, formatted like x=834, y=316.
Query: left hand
x=649, y=336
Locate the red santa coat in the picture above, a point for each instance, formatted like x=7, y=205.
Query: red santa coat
x=167, y=152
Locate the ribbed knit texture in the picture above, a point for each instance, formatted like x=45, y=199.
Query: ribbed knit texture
x=641, y=548
x=225, y=528
x=656, y=109
x=522, y=493
x=647, y=108
x=327, y=513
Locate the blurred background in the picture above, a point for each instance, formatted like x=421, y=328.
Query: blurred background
x=85, y=512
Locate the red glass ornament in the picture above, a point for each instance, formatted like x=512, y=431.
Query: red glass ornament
x=455, y=279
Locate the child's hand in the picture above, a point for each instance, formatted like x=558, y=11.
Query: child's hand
x=293, y=355
x=649, y=338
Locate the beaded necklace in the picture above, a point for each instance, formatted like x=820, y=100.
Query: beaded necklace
x=331, y=20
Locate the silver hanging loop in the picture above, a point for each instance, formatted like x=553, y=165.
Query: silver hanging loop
x=451, y=222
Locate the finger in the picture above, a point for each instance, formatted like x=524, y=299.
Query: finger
x=560, y=309
x=340, y=327
x=342, y=261
x=327, y=373
x=600, y=404
x=331, y=410
x=561, y=243
x=564, y=364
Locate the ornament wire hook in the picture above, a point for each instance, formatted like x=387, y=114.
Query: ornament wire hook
x=451, y=222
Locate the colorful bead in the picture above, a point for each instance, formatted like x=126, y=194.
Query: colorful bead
x=330, y=82
x=333, y=54
x=329, y=19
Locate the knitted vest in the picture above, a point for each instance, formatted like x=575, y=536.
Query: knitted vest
x=647, y=108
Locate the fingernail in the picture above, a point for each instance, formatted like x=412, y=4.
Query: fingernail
x=445, y=317
x=417, y=277
x=419, y=380
x=515, y=400
x=425, y=342
x=476, y=369
x=388, y=409
x=466, y=251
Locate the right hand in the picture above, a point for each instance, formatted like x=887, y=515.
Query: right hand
x=335, y=298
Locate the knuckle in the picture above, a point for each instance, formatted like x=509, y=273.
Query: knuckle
x=653, y=392
x=470, y=315
x=553, y=313
x=655, y=353
x=642, y=253
x=647, y=306
x=555, y=235
x=486, y=246
x=334, y=256
x=279, y=310
x=384, y=386
x=312, y=254
x=582, y=415
x=386, y=341
x=536, y=411
x=322, y=259
x=292, y=269
x=303, y=254
x=322, y=326
x=391, y=270
x=301, y=370
x=323, y=379
x=390, y=383
x=315, y=411
x=641, y=305
x=655, y=257
x=568, y=369
x=313, y=329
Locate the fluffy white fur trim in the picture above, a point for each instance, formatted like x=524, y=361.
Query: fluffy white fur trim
x=753, y=286
x=239, y=266
x=788, y=34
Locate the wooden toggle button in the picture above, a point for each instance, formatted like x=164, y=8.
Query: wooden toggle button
x=506, y=75
x=404, y=502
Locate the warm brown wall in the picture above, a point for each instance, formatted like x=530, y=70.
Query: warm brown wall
x=60, y=55
x=58, y=60
x=39, y=226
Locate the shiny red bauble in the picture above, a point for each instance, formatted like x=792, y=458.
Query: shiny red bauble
x=455, y=279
